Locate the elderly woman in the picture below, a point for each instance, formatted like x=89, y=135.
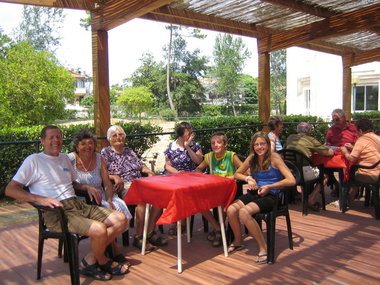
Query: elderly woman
x=275, y=124
x=123, y=166
x=91, y=170
x=365, y=152
x=269, y=173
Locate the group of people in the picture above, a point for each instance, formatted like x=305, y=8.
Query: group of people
x=52, y=178
x=358, y=143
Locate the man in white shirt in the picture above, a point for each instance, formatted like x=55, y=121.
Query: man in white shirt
x=51, y=181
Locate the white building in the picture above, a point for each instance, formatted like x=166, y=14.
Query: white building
x=314, y=84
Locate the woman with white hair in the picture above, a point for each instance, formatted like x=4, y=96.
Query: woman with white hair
x=123, y=166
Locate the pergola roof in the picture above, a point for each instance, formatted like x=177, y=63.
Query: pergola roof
x=349, y=28
x=341, y=27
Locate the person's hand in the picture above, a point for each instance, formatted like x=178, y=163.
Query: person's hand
x=111, y=204
x=343, y=149
x=349, y=146
x=252, y=184
x=189, y=140
x=263, y=190
x=119, y=184
x=49, y=202
x=94, y=194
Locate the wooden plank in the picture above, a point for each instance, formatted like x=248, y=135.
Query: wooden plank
x=301, y=6
x=116, y=12
x=347, y=91
x=71, y=4
x=264, y=86
x=357, y=58
x=101, y=84
x=334, y=26
x=186, y=17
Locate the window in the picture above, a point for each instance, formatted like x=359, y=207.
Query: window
x=306, y=92
x=366, y=98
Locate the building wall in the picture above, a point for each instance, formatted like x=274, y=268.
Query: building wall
x=322, y=73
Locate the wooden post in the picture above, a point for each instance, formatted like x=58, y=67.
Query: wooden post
x=102, y=114
x=264, y=87
x=347, y=92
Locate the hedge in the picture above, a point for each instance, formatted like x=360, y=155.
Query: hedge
x=27, y=142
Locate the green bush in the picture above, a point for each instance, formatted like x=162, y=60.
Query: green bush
x=26, y=142
x=212, y=110
x=374, y=116
x=238, y=138
x=168, y=114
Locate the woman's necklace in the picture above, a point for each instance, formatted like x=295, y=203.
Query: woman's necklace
x=81, y=162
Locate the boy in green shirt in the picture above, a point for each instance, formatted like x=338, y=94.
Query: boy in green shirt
x=221, y=163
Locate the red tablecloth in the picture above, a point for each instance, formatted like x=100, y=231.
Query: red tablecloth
x=334, y=161
x=182, y=195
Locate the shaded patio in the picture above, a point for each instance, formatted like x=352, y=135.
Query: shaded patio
x=329, y=248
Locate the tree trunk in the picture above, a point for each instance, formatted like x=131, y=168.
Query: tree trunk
x=168, y=71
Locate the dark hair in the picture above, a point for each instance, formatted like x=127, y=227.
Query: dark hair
x=81, y=135
x=377, y=132
x=340, y=112
x=254, y=163
x=221, y=134
x=365, y=125
x=49, y=127
x=180, y=129
x=274, y=121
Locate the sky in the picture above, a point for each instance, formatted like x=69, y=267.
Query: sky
x=127, y=43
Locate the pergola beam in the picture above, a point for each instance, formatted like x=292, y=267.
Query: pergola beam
x=341, y=24
x=357, y=58
x=117, y=12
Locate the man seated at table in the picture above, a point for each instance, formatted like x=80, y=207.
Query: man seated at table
x=341, y=133
x=306, y=144
x=51, y=181
x=365, y=152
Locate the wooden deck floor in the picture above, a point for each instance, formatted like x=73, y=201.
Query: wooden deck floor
x=330, y=248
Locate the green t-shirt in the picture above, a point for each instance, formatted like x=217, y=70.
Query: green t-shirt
x=223, y=166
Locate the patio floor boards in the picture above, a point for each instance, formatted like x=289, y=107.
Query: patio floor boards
x=329, y=248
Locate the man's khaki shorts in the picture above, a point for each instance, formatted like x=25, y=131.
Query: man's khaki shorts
x=79, y=215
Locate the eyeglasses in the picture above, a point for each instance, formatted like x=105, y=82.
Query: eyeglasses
x=336, y=120
x=259, y=144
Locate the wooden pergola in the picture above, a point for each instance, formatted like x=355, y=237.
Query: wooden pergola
x=348, y=28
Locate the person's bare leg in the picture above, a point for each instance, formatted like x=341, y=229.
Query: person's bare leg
x=233, y=219
x=155, y=213
x=245, y=216
x=210, y=218
x=139, y=223
x=314, y=194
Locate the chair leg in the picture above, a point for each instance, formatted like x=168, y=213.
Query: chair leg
x=205, y=224
x=375, y=199
x=367, y=194
x=271, y=230
x=39, y=257
x=290, y=233
x=60, y=248
x=125, y=238
x=305, y=196
x=73, y=259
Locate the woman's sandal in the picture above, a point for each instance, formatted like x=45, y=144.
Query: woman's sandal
x=258, y=261
x=158, y=241
x=93, y=271
x=137, y=242
x=234, y=248
x=116, y=270
x=121, y=259
x=211, y=236
x=218, y=239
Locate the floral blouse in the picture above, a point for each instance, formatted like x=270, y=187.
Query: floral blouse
x=126, y=165
x=180, y=158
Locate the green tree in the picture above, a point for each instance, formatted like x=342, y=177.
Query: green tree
x=151, y=74
x=40, y=27
x=250, y=89
x=136, y=100
x=33, y=87
x=229, y=56
x=278, y=80
x=184, y=68
x=87, y=101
